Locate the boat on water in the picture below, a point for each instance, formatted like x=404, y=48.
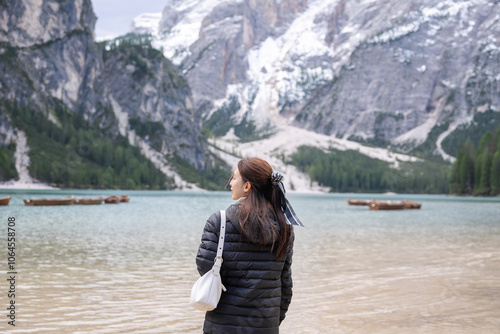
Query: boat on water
x=89, y=200
x=124, y=199
x=359, y=201
x=387, y=205
x=412, y=205
x=50, y=201
x=5, y=200
x=112, y=200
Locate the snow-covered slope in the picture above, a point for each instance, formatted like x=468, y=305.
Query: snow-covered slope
x=372, y=71
x=335, y=73
x=177, y=27
x=285, y=142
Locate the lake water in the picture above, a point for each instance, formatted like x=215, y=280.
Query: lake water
x=129, y=268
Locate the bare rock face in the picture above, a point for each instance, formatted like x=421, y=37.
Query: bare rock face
x=48, y=52
x=264, y=18
x=432, y=64
x=218, y=58
x=49, y=57
x=27, y=23
x=384, y=72
x=156, y=99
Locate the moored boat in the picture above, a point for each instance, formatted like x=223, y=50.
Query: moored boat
x=387, y=205
x=412, y=205
x=124, y=199
x=358, y=201
x=50, y=201
x=4, y=200
x=89, y=200
x=112, y=200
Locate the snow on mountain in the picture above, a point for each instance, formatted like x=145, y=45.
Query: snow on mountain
x=282, y=69
x=279, y=66
x=383, y=71
x=177, y=27
x=147, y=23
x=285, y=142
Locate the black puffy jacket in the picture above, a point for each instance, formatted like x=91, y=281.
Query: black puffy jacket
x=259, y=288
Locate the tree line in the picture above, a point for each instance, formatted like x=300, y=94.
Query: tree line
x=7, y=167
x=476, y=170
x=351, y=171
x=70, y=153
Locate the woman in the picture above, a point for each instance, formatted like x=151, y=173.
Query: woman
x=257, y=253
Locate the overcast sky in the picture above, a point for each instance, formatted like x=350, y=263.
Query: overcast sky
x=114, y=17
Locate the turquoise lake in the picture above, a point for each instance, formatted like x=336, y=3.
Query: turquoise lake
x=129, y=267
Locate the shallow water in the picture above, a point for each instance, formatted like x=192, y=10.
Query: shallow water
x=130, y=267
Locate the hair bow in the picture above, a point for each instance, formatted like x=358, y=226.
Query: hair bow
x=290, y=216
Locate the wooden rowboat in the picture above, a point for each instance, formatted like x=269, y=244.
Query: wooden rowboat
x=412, y=205
x=5, y=200
x=50, y=201
x=112, y=200
x=387, y=205
x=89, y=201
x=359, y=201
x=124, y=199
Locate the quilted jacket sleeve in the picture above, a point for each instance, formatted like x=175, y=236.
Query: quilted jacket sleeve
x=286, y=284
x=208, y=246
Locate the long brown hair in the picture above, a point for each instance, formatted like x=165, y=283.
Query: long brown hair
x=262, y=198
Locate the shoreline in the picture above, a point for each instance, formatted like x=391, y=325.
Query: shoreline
x=16, y=185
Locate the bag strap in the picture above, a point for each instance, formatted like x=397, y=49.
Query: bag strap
x=222, y=235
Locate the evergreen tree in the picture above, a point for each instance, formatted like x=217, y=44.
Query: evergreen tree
x=351, y=171
x=477, y=171
x=466, y=169
x=484, y=167
x=488, y=147
x=495, y=173
x=454, y=177
x=72, y=153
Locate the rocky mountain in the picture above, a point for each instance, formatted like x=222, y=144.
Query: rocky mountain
x=50, y=62
x=149, y=96
x=42, y=58
x=435, y=62
x=395, y=74
x=394, y=80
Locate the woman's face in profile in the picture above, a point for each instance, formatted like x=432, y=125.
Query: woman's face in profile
x=239, y=188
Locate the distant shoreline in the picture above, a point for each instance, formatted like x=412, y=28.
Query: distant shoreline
x=26, y=186
x=16, y=185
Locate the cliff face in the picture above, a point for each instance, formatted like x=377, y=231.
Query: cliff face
x=48, y=57
x=49, y=52
x=151, y=98
x=431, y=64
x=393, y=73
x=219, y=57
x=27, y=23
x=388, y=73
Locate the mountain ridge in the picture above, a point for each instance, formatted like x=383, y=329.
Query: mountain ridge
x=412, y=60
x=51, y=64
x=258, y=77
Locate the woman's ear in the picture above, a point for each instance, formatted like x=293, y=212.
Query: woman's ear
x=247, y=187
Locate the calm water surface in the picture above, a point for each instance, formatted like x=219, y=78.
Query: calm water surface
x=129, y=268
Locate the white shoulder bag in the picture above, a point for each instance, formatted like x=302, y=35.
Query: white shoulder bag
x=207, y=290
